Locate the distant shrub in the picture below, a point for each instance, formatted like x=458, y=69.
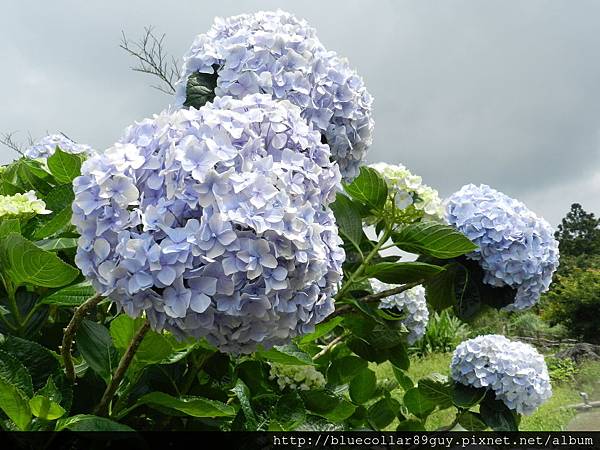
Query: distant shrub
x=529, y=324
x=444, y=332
x=561, y=370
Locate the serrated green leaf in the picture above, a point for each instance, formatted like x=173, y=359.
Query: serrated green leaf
x=285, y=354
x=417, y=404
x=436, y=388
x=57, y=223
x=328, y=405
x=472, y=421
x=65, y=167
x=344, y=369
x=348, y=220
x=369, y=188
x=8, y=226
x=402, y=272
x=200, y=89
x=95, y=345
x=433, y=239
x=321, y=330
x=466, y=396
x=52, y=245
x=87, y=422
x=15, y=404
x=497, y=416
x=383, y=412
x=45, y=409
x=38, y=360
x=192, y=406
x=15, y=373
x=403, y=378
x=289, y=412
x=363, y=385
x=24, y=262
x=71, y=296
x=242, y=392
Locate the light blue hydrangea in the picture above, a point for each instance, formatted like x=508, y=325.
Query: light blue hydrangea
x=46, y=147
x=516, y=247
x=411, y=302
x=515, y=371
x=278, y=54
x=214, y=222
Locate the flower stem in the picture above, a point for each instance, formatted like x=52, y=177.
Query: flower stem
x=329, y=346
x=102, y=408
x=67, y=342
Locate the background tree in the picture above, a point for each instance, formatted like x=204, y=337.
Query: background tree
x=579, y=232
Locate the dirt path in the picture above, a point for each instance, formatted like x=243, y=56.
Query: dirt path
x=585, y=421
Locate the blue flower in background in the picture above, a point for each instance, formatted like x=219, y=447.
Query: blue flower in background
x=46, y=147
x=277, y=54
x=515, y=371
x=516, y=248
x=215, y=223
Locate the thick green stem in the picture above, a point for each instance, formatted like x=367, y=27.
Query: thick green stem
x=70, y=331
x=111, y=389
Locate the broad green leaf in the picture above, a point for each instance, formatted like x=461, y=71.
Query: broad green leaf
x=383, y=412
x=437, y=389
x=200, y=89
x=15, y=404
x=325, y=404
x=497, y=416
x=39, y=361
x=344, y=369
x=242, y=392
x=285, y=354
x=417, y=404
x=59, y=391
x=411, y=425
x=87, y=422
x=367, y=351
x=289, y=412
x=57, y=244
x=403, y=378
x=466, y=396
x=31, y=176
x=71, y=296
x=192, y=406
x=402, y=272
x=64, y=166
x=472, y=421
x=441, y=290
x=398, y=356
x=8, y=226
x=363, y=385
x=7, y=188
x=433, y=239
x=348, y=219
x=321, y=330
x=58, y=222
x=24, y=262
x=369, y=188
x=95, y=345
x=60, y=198
x=13, y=372
x=45, y=409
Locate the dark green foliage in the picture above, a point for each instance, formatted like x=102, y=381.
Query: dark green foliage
x=579, y=233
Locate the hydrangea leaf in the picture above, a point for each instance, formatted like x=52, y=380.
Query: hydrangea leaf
x=497, y=416
x=433, y=239
x=363, y=385
x=285, y=354
x=348, y=220
x=13, y=372
x=344, y=369
x=242, y=393
x=472, y=421
x=95, y=345
x=369, y=188
x=321, y=330
x=467, y=396
x=46, y=409
x=192, y=406
x=39, y=361
x=383, y=412
x=411, y=425
x=403, y=379
x=88, y=422
x=24, y=262
x=8, y=226
x=438, y=389
x=56, y=244
x=402, y=272
x=328, y=405
x=417, y=403
x=71, y=296
x=63, y=166
x=289, y=412
x=200, y=89
x=54, y=225
x=15, y=404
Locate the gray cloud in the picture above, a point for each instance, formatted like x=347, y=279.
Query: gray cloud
x=465, y=91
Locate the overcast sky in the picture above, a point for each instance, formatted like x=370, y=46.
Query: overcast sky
x=495, y=92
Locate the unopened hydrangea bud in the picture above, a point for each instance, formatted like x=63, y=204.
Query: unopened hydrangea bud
x=20, y=205
x=514, y=371
x=300, y=377
x=516, y=247
x=277, y=54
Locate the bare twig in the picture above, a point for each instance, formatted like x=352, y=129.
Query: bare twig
x=70, y=331
x=329, y=346
x=375, y=297
x=152, y=59
x=102, y=408
x=7, y=139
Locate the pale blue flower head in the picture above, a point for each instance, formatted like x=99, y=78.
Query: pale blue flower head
x=514, y=371
x=411, y=302
x=215, y=223
x=46, y=147
x=516, y=247
x=277, y=54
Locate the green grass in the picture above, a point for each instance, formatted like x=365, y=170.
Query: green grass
x=551, y=416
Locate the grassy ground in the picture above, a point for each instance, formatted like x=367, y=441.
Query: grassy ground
x=552, y=416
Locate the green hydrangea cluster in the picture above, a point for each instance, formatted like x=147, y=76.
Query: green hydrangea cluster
x=26, y=204
x=303, y=378
x=409, y=192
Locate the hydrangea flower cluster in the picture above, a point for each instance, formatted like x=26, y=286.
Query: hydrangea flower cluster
x=515, y=371
x=516, y=248
x=26, y=204
x=412, y=302
x=46, y=147
x=214, y=222
x=303, y=378
x=409, y=190
x=277, y=54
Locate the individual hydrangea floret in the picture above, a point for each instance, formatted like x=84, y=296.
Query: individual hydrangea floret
x=46, y=147
x=19, y=205
x=515, y=371
x=408, y=190
x=411, y=302
x=214, y=222
x=302, y=377
x=278, y=54
x=516, y=247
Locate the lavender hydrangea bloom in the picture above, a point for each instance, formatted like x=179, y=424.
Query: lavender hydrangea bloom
x=278, y=54
x=46, y=147
x=515, y=371
x=411, y=302
x=214, y=222
x=516, y=248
